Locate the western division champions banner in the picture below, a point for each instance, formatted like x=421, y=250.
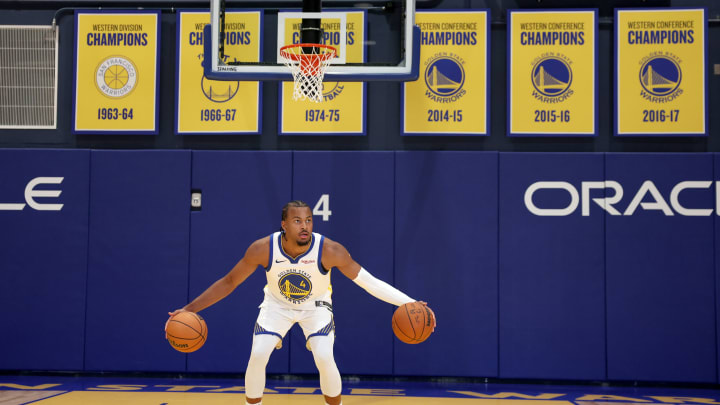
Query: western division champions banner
x=116, y=60
x=342, y=111
x=451, y=95
x=552, y=70
x=206, y=106
x=660, y=72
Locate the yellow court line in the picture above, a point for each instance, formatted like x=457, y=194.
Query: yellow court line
x=19, y=397
x=196, y=398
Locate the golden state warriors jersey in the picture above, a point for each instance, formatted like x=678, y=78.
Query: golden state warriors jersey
x=298, y=282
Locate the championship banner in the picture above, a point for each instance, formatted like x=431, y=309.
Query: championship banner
x=204, y=106
x=342, y=111
x=451, y=95
x=552, y=73
x=116, y=60
x=660, y=72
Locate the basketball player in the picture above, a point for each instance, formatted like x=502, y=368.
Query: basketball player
x=297, y=263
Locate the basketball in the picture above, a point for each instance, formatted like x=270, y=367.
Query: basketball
x=186, y=332
x=413, y=322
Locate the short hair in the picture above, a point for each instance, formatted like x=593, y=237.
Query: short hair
x=293, y=203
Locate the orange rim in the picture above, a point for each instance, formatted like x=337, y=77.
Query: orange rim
x=296, y=57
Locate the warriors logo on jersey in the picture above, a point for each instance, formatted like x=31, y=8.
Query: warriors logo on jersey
x=295, y=285
x=297, y=282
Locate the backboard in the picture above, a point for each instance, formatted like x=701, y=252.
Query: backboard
x=398, y=57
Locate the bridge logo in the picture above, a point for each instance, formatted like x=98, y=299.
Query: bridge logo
x=218, y=91
x=660, y=76
x=445, y=76
x=331, y=90
x=295, y=287
x=551, y=76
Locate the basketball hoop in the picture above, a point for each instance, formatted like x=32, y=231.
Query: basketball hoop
x=307, y=63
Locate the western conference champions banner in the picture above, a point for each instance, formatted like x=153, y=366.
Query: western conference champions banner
x=204, y=106
x=342, y=111
x=116, y=64
x=660, y=72
x=451, y=95
x=552, y=73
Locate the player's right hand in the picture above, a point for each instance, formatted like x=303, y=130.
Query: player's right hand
x=173, y=313
x=431, y=311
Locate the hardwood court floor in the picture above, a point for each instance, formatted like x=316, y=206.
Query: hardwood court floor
x=71, y=390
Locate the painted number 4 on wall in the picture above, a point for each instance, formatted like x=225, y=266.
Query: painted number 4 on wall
x=322, y=207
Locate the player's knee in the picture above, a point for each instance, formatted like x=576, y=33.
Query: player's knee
x=259, y=356
x=325, y=362
x=261, y=353
x=324, y=358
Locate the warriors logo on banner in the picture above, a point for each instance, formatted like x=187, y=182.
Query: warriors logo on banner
x=205, y=106
x=342, y=111
x=450, y=97
x=116, y=58
x=660, y=72
x=552, y=67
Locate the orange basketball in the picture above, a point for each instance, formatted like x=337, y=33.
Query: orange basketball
x=186, y=332
x=413, y=322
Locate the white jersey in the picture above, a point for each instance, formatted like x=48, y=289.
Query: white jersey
x=300, y=282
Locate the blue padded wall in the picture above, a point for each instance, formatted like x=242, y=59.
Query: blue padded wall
x=43, y=261
x=716, y=178
x=360, y=186
x=138, y=257
x=446, y=254
x=243, y=194
x=517, y=295
x=552, y=296
x=660, y=275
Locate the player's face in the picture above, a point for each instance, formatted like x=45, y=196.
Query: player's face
x=298, y=225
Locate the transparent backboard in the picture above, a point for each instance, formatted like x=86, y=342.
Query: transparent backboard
x=390, y=39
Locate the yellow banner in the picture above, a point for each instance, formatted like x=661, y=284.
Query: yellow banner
x=552, y=69
x=116, y=72
x=660, y=72
x=207, y=106
x=450, y=96
x=342, y=110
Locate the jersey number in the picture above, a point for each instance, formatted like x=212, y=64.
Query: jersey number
x=323, y=207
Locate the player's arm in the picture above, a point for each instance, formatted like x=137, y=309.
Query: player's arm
x=256, y=255
x=335, y=255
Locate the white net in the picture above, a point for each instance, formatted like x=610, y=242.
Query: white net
x=308, y=63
